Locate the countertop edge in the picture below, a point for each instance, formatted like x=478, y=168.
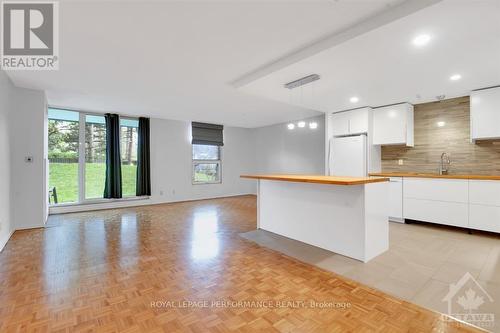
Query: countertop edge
x=312, y=180
x=424, y=175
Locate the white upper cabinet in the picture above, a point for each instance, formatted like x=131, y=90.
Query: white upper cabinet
x=485, y=114
x=350, y=122
x=393, y=125
x=359, y=120
x=340, y=123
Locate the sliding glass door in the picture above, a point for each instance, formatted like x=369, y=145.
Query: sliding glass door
x=77, y=156
x=128, y=150
x=63, y=156
x=95, y=156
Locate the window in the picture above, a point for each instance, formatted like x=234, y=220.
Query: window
x=128, y=151
x=77, y=156
x=63, y=156
x=206, y=164
x=95, y=156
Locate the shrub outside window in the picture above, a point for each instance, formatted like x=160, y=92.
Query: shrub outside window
x=206, y=164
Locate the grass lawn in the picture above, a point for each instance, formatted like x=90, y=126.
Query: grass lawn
x=64, y=176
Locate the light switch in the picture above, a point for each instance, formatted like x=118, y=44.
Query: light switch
x=400, y=161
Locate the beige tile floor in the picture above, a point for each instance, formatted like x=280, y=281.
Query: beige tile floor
x=422, y=261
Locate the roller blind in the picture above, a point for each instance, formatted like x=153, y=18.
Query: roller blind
x=207, y=134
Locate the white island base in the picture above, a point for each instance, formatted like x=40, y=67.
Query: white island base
x=351, y=220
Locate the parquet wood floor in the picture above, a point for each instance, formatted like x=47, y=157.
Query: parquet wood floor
x=110, y=271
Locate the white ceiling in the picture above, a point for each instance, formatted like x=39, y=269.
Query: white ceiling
x=177, y=60
x=384, y=67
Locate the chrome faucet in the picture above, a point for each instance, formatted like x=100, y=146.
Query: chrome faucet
x=445, y=162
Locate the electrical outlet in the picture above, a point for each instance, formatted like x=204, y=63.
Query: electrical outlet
x=400, y=161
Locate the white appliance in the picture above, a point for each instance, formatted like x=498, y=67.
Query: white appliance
x=348, y=156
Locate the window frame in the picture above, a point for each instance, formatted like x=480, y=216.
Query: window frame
x=81, y=161
x=195, y=162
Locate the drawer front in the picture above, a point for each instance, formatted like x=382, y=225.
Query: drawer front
x=484, y=192
x=449, y=213
x=484, y=217
x=450, y=190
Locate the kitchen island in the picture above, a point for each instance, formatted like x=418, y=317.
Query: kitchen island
x=345, y=215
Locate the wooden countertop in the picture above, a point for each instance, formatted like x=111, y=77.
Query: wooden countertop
x=318, y=179
x=432, y=175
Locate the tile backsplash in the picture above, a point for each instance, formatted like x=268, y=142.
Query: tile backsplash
x=453, y=138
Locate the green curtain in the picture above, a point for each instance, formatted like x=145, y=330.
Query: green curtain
x=143, y=184
x=113, y=185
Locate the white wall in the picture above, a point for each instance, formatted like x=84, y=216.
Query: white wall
x=6, y=223
x=171, y=162
x=301, y=150
x=271, y=149
x=29, y=199
x=171, y=167
x=22, y=193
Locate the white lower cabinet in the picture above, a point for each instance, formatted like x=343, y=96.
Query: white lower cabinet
x=484, y=217
x=443, y=201
x=396, y=199
x=484, y=205
x=473, y=204
x=437, y=189
x=484, y=192
x=448, y=213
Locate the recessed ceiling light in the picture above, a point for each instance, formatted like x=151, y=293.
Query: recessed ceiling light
x=354, y=99
x=441, y=123
x=421, y=40
x=291, y=126
x=301, y=124
x=313, y=125
x=455, y=77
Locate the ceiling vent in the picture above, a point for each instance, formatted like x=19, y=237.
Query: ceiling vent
x=302, y=81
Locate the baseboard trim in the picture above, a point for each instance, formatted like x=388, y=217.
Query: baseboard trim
x=84, y=208
x=129, y=204
x=30, y=227
x=4, y=241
